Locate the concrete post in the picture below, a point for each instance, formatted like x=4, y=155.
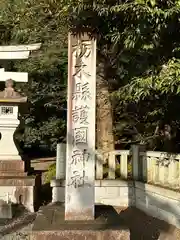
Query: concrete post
x=135, y=161
x=57, y=184
x=60, y=161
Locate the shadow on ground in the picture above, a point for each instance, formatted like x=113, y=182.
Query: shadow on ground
x=140, y=225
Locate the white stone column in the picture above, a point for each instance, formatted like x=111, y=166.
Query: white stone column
x=57, y=183
x=80, y=158
x=58, y=190
x=60, y=161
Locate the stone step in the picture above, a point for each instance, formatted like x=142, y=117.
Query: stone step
x=82, y=235
x=50, y=224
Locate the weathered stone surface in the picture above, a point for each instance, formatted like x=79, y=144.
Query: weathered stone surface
x=12, y=168
x=58, y=192
x=20, y=190
x=17, y=181
x=5, y=210
x=158, y=202
x=80, y=154
x=60, y=161
x=51, y=217
x=9, y=93
x=50, y=224
x=82, y=235
x=122, y=192
x=12, y=165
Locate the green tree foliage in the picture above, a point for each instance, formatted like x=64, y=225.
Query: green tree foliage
x=23, y=22
x=139, y=41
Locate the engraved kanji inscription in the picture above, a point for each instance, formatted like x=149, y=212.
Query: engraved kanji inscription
x=81, y=128
x=80, y=135
x=85, y=92
x=77, y=91
x=82, y=52
x=79, y=156
x=80, y=114
x=81, y=91
x=77, y=179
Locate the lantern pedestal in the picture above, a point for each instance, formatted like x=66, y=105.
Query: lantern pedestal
x=8, y=125
x=16, y=187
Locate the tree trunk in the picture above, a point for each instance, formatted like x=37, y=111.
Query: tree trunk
x=104, y=120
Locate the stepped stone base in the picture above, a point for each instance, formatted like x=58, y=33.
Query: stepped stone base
x=82, y=235
x=20, y=190
x=12, y=168
x=50, y=225
x=15, y=186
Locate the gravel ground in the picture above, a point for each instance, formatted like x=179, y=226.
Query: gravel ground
x=19, y=235
x=17, y=228
x=141, y=226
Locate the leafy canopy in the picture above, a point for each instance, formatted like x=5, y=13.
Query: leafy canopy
x=139, y=42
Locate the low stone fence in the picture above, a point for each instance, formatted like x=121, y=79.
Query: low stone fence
x=161, y=203
x=145, y=179
x=159, y=168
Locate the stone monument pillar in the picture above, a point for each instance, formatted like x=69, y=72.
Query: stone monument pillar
x=80, y=154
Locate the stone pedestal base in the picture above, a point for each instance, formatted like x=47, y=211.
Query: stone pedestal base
x=58, y=193
x=20, y=190
x=15, y=157
x=50, y=225
x=12, y=168
x=15, y=186
x=82, y=235
x=8, y=126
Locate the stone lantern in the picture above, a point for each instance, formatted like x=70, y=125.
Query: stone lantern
x=9, y=104
x=16, y=187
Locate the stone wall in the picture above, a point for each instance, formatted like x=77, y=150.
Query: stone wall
x=158, y=202
x=108, y=192
x=114, y=192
